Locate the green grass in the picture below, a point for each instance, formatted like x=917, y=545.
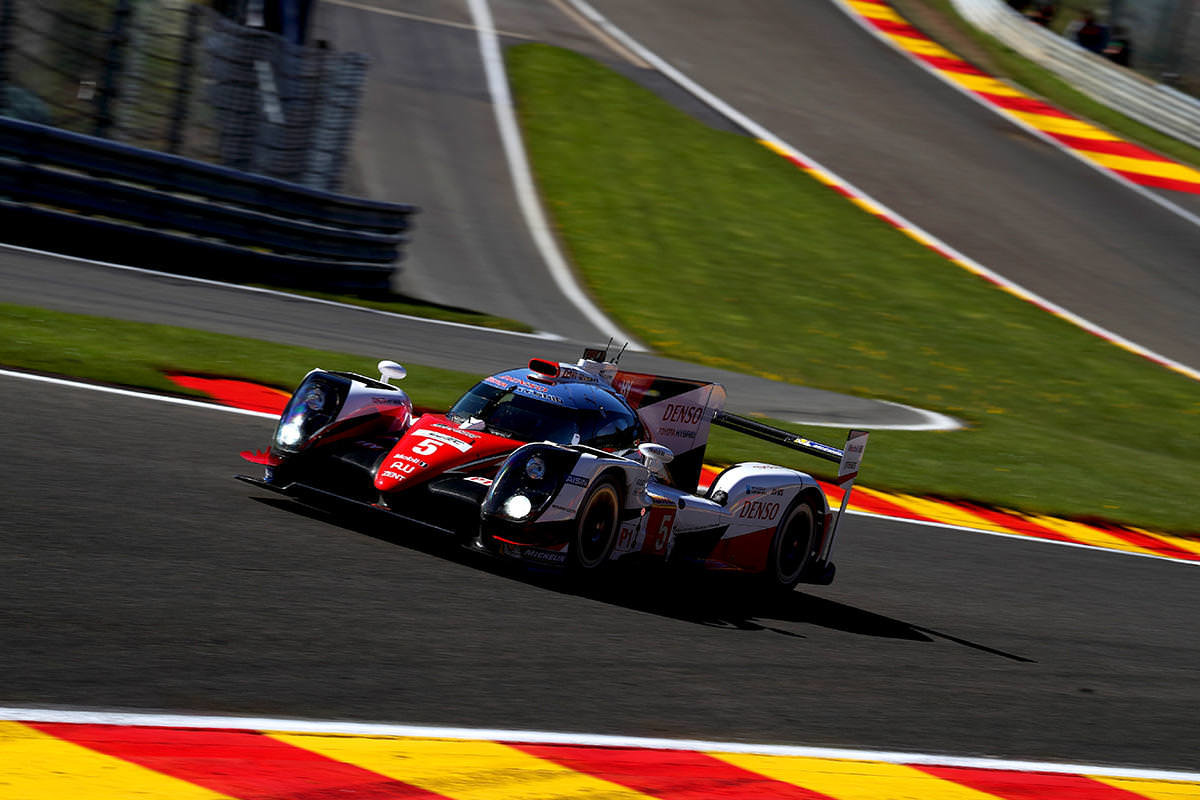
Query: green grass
x=710, y=248
x=137, y=354
x=1007, y=63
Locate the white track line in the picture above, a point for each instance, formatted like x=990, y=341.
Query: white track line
x=934, y=421
x=278, y=293
x=527, y=196
x=161, y=398
x=181, y=401
x=759, y=132
x=1045, y=137
x=446, y=23
x=70, y=716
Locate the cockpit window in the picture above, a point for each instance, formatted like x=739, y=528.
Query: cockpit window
x=608, y=424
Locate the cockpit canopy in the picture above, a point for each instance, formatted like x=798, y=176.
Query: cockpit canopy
x=532, y=408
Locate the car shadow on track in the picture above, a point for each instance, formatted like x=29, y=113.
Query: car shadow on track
x=711, y=600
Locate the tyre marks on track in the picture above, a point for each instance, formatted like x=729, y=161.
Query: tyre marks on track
x=1095, y=144
x=65, y=759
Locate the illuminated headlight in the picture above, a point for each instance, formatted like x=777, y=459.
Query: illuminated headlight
x=535, y=468
x=290, y=433
x=517, y=507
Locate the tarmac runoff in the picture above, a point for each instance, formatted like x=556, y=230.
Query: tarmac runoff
x=98, y=754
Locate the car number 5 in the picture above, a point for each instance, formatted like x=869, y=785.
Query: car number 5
x=426, y=447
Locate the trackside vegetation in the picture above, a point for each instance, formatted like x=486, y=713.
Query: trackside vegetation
x=137, y=354
x=711, y=248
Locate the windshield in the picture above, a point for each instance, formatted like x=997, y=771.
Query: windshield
x=519, y=416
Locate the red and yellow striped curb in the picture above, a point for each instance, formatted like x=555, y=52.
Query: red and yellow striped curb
x=100, y=761
x=973, y=517
x=1083, y=138
x=254, y=397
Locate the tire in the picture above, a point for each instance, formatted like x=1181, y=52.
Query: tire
x=791, y=547
x=596, y=527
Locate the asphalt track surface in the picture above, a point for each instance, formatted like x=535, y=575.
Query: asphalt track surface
x=139, y=575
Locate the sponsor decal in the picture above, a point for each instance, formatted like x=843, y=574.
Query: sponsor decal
x=457, y=431
x=526, y=387
x=758, y=509
x=479, y=480
x=629, y=540
x=543, y=556
x=410, y=459
x=764, y=490
x=687, y=414
x=679, y=433
x=429, y=445
x=576, y=480
x=396, y=476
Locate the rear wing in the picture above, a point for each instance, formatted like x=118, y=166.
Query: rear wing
x=848, y=458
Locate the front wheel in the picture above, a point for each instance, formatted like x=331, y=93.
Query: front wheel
x=791, y=547
x=595, y=528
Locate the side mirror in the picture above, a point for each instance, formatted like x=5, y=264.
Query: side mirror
x=656, y=457
x=390, y=369
x=658, y=452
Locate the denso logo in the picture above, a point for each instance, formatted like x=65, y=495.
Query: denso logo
x=688, y=415
x=758, y=509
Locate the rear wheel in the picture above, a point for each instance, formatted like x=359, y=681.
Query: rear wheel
x=791, y=546
x=595, y=528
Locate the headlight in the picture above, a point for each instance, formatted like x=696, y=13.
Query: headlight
x=290, y=432
x=535, y=468
x=518, y=507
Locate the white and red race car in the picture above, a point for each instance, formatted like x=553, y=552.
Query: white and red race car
x=574, y=465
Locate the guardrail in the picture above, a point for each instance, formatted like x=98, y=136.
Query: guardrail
x=1123, y=90
x=72, y=193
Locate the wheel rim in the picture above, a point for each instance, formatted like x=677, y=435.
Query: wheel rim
x=793, y=545
x=596, y=526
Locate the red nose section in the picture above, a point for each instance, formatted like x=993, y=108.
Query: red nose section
x=433, y=445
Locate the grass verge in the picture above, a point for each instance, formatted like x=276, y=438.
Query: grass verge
x=712, y=249
x=1004, y=62
x=136, y=354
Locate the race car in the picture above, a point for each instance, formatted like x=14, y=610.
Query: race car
x=574, y=466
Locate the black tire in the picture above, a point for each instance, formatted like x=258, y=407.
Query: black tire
x=596, y=527
x=791, y=547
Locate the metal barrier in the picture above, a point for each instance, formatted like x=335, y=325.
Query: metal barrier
x=180, y=78
x=74, y=193
x=1153, y=104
